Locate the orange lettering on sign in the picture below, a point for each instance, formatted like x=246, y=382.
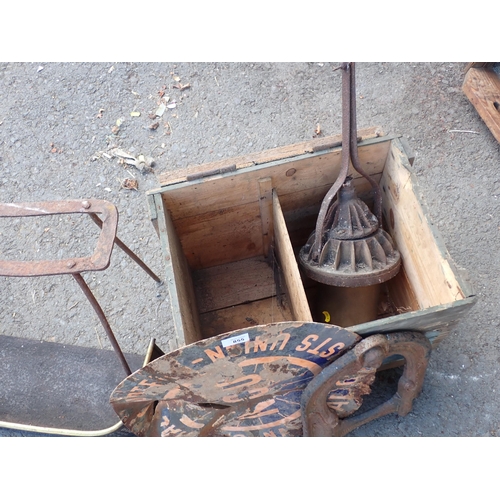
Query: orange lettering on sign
x=213, y=355
x=334, y=349
x=283, y=344
x=259, y=345
x=316, y=349
x=171, y=431
x=305, y=344
x=269, y=434
x=260, y=410
x=236, y=387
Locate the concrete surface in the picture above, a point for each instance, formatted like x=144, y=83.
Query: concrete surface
x=57, y=125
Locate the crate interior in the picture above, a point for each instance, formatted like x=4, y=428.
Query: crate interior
x=231, y=241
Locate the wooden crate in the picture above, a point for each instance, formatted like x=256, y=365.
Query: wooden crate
x=230, y=232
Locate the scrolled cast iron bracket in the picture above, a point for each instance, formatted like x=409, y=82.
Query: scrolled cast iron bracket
x=337, y=391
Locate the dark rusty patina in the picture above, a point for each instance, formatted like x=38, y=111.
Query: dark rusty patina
x=337, y=392
x=348, y=247
x=357, y=252
x=107, y=220
x=349, y=154
x=243, y=383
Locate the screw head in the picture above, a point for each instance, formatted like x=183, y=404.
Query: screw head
x=71, y=264
x=86, y=204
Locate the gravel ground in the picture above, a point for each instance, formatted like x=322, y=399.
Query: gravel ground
x=58, y=123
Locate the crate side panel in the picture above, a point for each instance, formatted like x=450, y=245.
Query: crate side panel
x=427, y=266
x=218, y=220
x=435, y=319
x=179, y=281
x=234, y=283
x=222, y=236
x=312, y=171
x=288, y=151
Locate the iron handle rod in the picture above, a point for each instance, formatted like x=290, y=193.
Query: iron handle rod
x=377, y=196
x=346, y=128
x=102, y=317
x=127, y=250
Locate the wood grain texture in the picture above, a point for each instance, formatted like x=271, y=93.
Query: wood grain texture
x=482, y=87
x=425, y=262
x=266, y=213
x=219, y=219
x=178, y=277
x=288, y=263
x=231, y=284
x=266, y=156
x=259, y=312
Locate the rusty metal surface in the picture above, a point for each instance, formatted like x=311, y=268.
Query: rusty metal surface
x=357, y=251
x=348, y=247
x=96, y=262
x=119, y=243
x=99, y=261
x=330, y=195
x=337, y=392
x=104, y=322
x=349, y=153
x=244, y=383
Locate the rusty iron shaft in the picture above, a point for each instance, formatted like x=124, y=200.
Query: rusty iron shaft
x=349, y=153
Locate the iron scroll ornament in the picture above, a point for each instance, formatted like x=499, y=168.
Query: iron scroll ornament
x=336, y=393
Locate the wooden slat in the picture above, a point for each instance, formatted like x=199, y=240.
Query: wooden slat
x=266, y=156
x=178, y=277
x=434, y=319
x=289, y=176
x=259, y=312
x=293, y=282
x=233, y=283
x=482, y=87
x=222, y=236
x=426, y=263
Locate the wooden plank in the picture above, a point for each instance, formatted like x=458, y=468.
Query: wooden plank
x=266, y=213
x=482, y=87
x=221, y=236
x=266, y=156
x=426, y=263
x=289, y=176
x=259, y=312
x=437, y=320
x=295, y=288
x=231, y=284
x=178, y=277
